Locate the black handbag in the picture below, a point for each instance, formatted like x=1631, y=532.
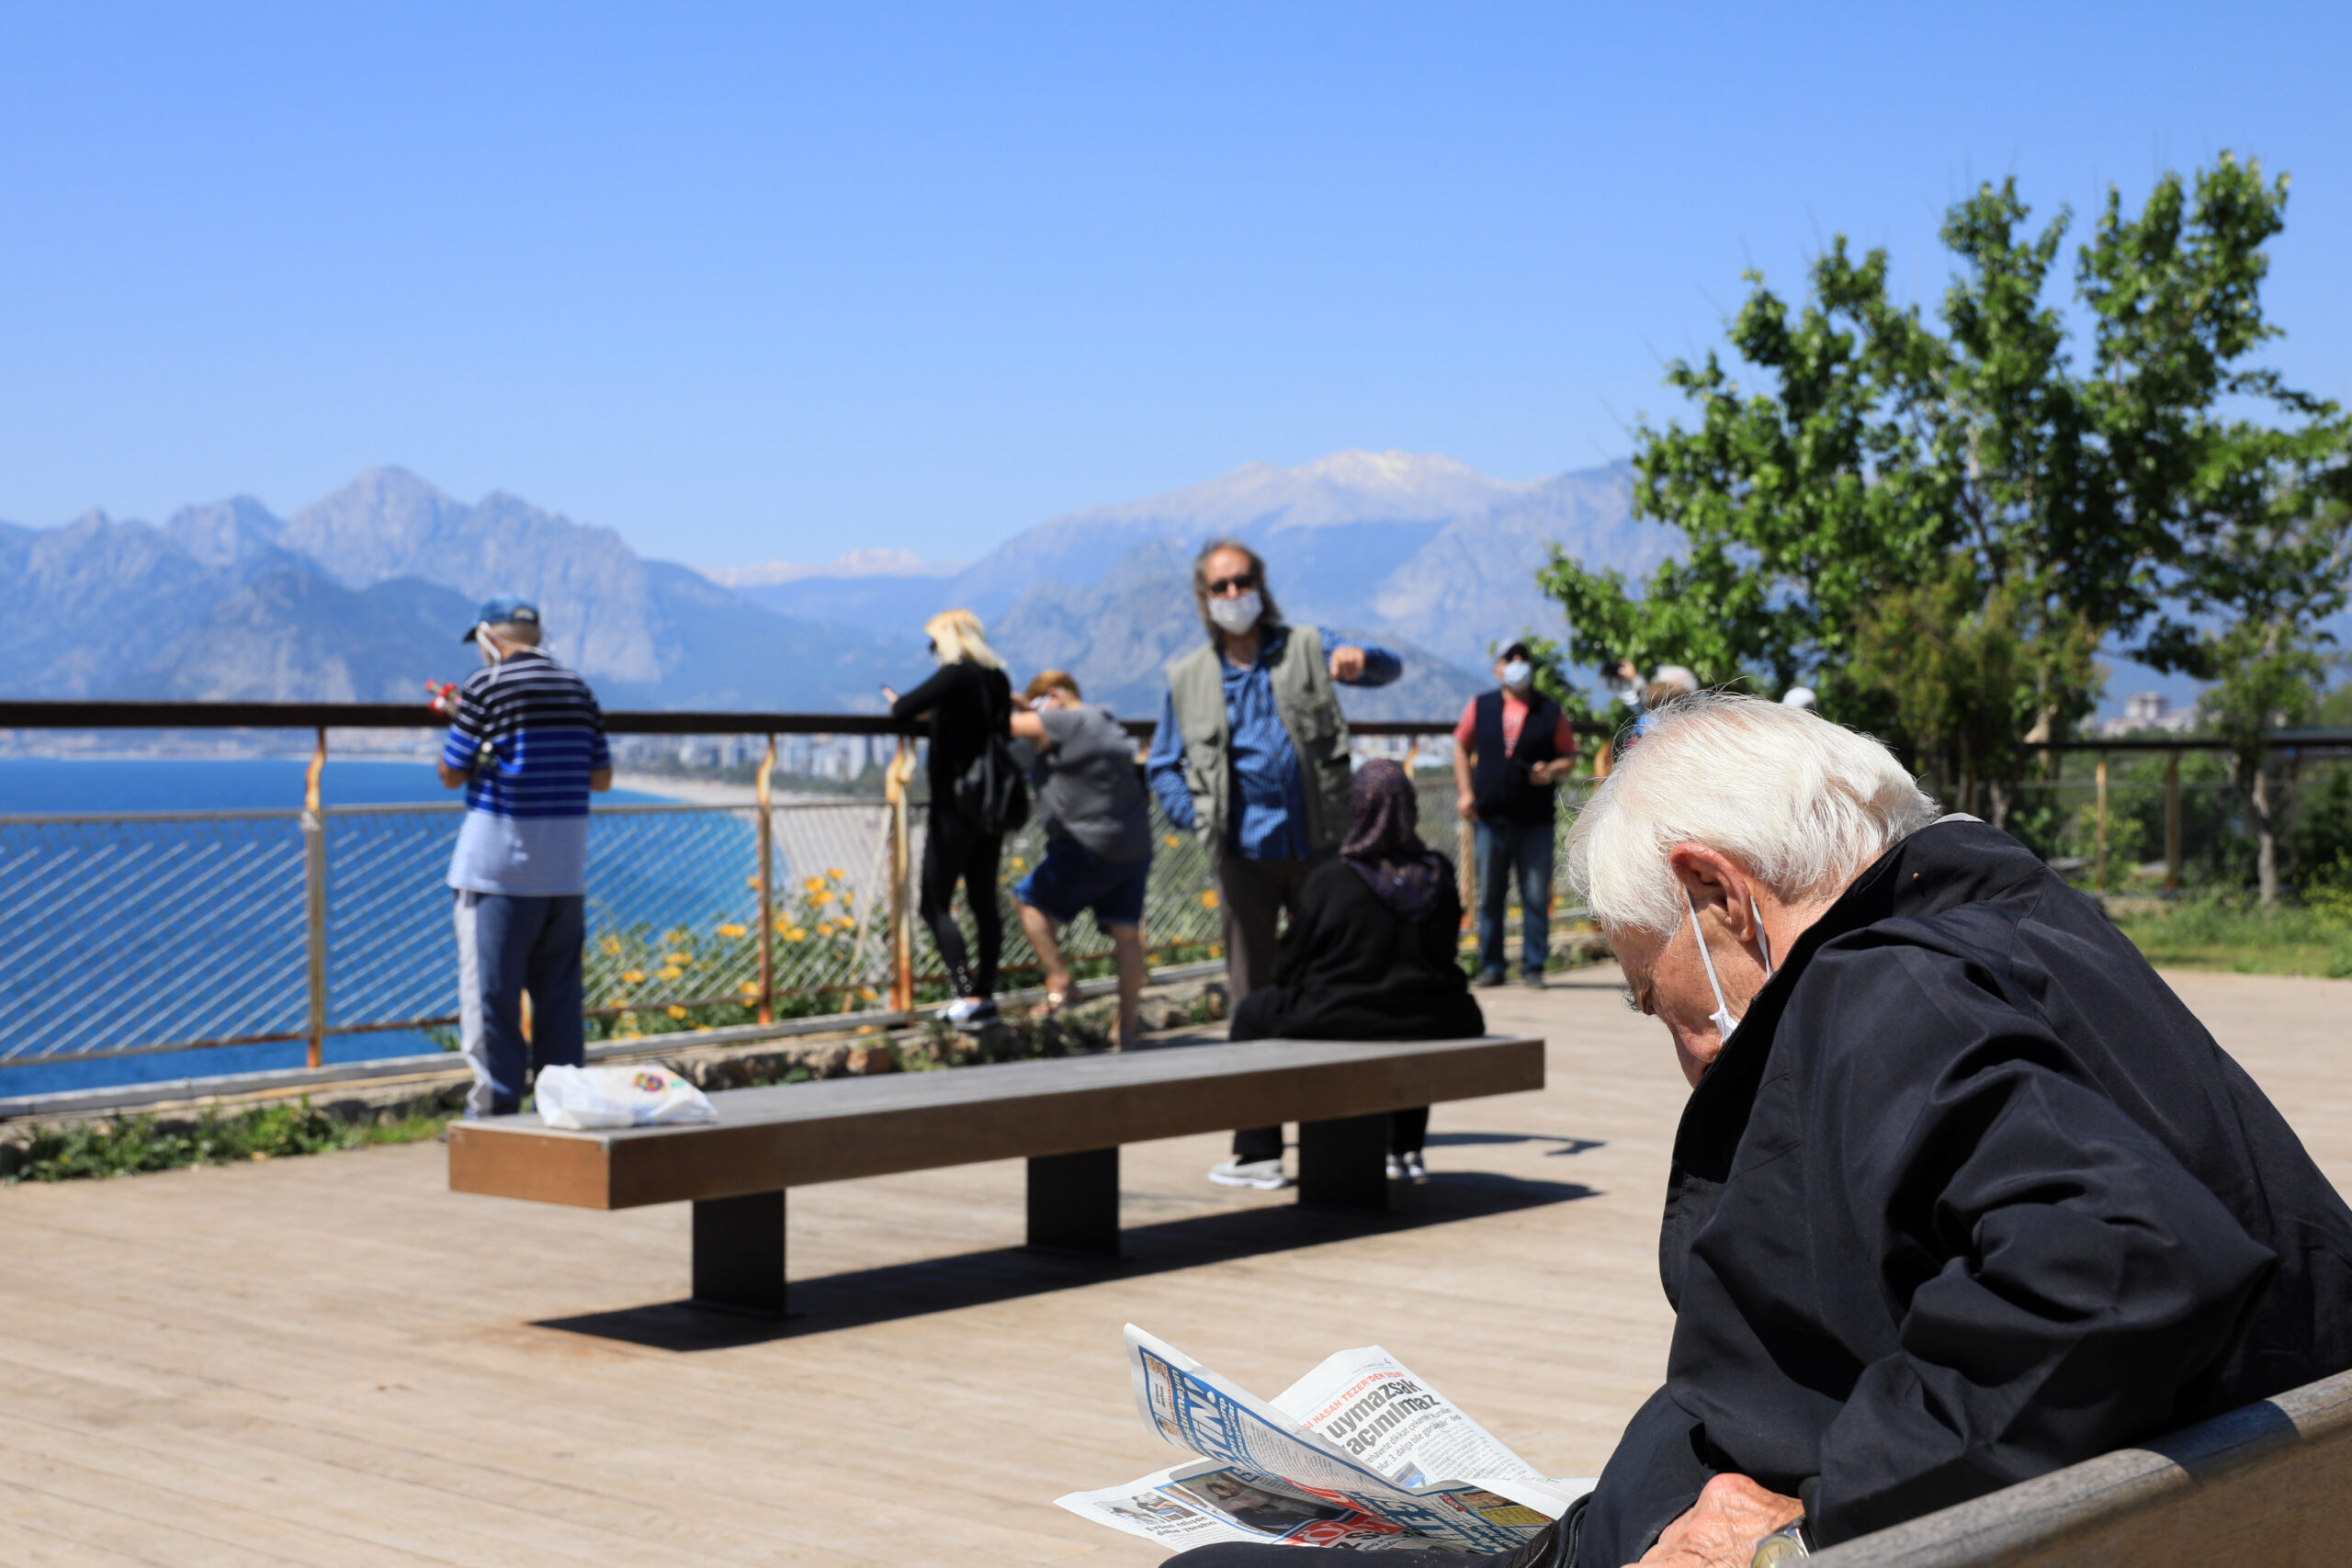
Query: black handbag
x=992, y=795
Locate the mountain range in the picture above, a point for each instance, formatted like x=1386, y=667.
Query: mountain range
x=360, y=596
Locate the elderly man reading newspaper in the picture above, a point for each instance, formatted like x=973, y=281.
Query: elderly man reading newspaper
x=1962, y=1193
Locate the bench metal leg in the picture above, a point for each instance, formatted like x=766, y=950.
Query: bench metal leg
x=1074, y=1202
x=739, y=1253
x=1343, y=1164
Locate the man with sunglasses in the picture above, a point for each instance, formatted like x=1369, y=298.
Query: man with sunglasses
x=1252, y=753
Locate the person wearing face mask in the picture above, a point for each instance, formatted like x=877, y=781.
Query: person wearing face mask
x=526, y=745
x=1962, y=1193
x=1510, y=751
x=1251, y=754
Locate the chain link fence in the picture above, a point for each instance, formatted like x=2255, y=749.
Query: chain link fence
x=147, y=932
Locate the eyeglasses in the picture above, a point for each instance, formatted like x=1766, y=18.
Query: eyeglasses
x=1241, y=583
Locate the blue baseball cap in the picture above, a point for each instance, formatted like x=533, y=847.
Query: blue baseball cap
x=507, y=609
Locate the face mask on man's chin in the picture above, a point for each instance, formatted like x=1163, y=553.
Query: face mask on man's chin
x=1236, y=615
x=1724, y=1022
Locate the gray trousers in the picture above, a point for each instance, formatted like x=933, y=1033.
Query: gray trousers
x=1250, y=894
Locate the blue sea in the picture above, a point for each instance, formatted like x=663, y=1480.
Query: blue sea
x=72, y=936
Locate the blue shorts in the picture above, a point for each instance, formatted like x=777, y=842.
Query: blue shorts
x=1072, y=877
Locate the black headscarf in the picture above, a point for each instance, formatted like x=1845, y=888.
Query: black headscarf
x=1381, y=845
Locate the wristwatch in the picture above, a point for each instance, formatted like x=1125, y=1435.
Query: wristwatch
x=1783, y=1545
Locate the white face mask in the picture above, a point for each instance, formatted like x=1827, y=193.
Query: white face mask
x=1518, y=673
x=1238, y=613
x=1724, y=1022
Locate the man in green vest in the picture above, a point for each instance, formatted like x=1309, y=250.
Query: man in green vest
x=1252, y=753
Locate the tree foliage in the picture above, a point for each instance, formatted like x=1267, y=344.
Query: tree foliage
x=1939, y=523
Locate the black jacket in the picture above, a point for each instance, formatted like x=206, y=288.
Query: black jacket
x=968, y=704
x=1969, y=1196
x=1349, y=968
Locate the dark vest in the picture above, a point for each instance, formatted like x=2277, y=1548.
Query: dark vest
x=1504, y=791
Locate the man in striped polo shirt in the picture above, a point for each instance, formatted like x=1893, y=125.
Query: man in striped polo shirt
x=528, y=744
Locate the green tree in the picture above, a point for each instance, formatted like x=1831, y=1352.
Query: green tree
x=1938, y=526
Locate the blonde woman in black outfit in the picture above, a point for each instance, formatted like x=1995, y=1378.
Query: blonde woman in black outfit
x=968, y=701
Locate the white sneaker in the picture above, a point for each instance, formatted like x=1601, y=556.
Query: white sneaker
x=1265, y=1174
x=969, y=1016
x=1414, y=1169
x=1396, y=1171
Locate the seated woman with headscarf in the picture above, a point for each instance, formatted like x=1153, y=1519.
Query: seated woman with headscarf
x=1372, y=954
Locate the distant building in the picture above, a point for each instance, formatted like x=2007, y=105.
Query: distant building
x=2145, y=711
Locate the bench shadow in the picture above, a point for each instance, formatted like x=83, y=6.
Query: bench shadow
x=866, y=1296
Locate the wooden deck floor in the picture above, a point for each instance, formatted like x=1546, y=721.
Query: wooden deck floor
x=334, y=1361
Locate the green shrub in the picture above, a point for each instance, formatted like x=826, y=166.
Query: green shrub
x=131, y=1145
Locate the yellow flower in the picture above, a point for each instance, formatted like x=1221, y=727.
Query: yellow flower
x=750, y=987
x=1172, y=841
x=610, y=947
x=796, y=934
x=615, y=1001
x=821, y=898
x=1209, y=899
x=869, y=993
x=669, y=972
x=678, y=958
x=814, y=885
x=1217, y=950
x=633, y=976
x=731, y=929
x=1020, y=862
x=677, y=1012
x=837, y=874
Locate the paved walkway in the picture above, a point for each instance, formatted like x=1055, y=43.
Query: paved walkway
x=334, y=1361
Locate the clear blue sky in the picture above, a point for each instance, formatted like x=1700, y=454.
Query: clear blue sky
x=748, y=282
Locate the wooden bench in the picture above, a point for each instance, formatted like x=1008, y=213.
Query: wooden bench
x=2268, y=1485
x=1067, y=1117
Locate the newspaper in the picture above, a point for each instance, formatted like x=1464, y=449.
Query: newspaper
x=1359, y=1453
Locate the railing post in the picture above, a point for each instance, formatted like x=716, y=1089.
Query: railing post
x=2172, y=823
x=902, y=958
x=767, y=884
x=314, y=899
x=2098, y=873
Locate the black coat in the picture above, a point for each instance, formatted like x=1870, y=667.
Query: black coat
x=1969, y=1196
x=1349, y=967
x=968, y=704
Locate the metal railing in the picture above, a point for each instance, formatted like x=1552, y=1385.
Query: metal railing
x=138, y=932
x=146, y=932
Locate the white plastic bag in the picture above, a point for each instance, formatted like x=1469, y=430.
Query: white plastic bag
x=618, y=1096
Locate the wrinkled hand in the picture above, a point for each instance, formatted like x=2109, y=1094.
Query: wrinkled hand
x=1346, y=662
x=1722, y=1527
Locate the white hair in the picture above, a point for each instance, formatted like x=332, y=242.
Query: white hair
x=517, y=634
x=1803, y=804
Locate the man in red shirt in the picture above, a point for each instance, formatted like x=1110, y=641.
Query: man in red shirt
x=1510, y=751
